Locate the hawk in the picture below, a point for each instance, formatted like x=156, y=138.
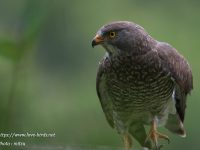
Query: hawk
x=141, y=81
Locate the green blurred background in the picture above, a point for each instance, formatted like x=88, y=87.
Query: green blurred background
x=48, y=67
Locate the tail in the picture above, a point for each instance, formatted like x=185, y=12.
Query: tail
x=138, y=132
x=175, y=125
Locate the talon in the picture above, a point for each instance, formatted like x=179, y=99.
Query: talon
x=162, y=136
x=154, y=135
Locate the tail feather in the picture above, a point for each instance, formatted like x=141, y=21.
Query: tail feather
x=138, y=132
x=175, y=125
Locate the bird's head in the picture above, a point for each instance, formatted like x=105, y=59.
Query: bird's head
x=122, y=37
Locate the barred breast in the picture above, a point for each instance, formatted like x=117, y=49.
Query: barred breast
x=138, y=86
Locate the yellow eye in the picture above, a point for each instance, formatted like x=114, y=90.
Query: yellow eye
x=112, y=34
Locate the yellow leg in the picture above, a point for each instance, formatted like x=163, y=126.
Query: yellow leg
x=154, y=135
x=127, y=141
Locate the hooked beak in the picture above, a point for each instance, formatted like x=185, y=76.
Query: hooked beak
x=97, y=40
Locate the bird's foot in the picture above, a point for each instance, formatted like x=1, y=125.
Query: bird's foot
x=154, y=135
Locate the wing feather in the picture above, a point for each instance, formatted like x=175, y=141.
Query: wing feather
x=103, y=94
x=181, y=73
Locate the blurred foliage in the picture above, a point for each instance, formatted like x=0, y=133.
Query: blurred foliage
x=48, y=66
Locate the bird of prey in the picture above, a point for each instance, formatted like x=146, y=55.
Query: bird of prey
x=141, y=81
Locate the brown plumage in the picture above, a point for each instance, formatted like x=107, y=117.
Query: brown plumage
x=141, y=81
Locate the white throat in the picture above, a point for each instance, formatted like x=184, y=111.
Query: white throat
x=112, y=50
